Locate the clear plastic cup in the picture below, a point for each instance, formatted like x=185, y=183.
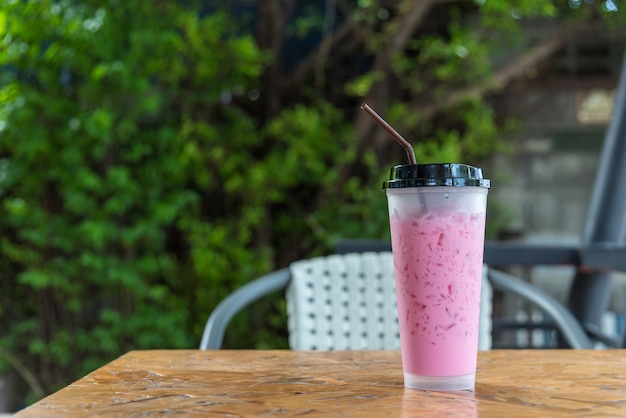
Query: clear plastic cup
x=437, y=222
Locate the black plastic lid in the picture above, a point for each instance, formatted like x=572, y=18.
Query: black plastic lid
x=427, y=175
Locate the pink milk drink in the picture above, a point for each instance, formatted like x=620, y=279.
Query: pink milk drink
x=437, y=222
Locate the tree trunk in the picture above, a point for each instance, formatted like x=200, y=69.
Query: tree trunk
x=273, y=16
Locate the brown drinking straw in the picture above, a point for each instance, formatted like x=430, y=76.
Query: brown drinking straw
x=407, y=146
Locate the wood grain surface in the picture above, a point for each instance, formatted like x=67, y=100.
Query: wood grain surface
x=234, y=383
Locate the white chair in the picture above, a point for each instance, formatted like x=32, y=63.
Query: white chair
x=348, y=302
x=337, y=302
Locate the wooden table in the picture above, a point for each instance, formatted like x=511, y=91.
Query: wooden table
x=339, y=383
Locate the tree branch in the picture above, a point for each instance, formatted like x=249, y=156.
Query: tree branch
x=24, y=372
x=506, y=74
x=409, y=22
x=410, y=17
x=310, y=62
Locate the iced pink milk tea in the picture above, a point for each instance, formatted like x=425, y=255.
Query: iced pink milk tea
x=438, y=275
x=437, y=235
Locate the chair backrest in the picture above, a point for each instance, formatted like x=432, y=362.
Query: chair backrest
x=348, y=302
x=343, y=302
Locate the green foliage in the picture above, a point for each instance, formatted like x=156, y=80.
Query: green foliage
x=96, y=173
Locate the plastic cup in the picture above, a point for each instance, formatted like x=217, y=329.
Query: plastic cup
x=437, y=222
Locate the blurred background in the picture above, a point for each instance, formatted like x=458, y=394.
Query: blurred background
x=156, y=155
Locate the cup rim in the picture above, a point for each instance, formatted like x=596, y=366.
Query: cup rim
x=437, y=174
